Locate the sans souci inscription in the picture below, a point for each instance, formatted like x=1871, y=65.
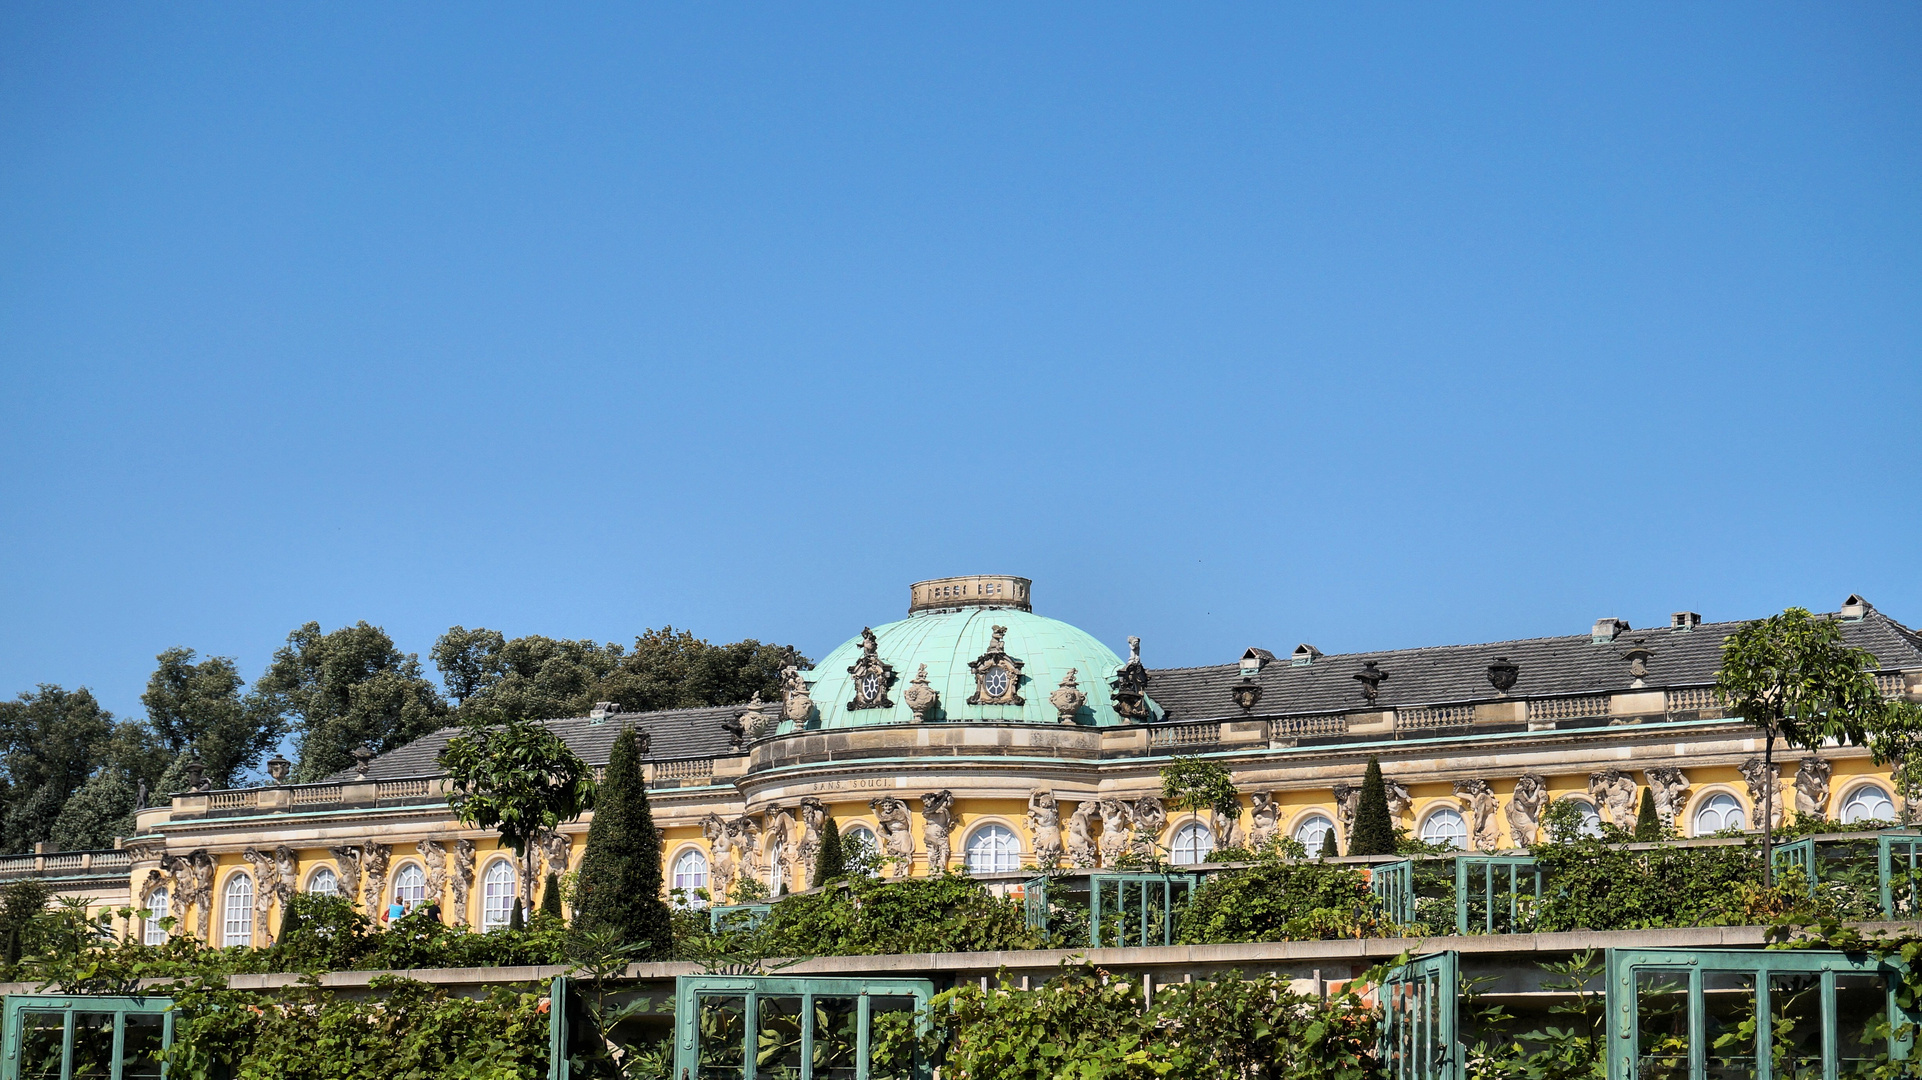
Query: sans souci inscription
x=974, y=590
x=854, y=785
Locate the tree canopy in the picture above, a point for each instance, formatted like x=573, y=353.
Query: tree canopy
x=341, y=689
x=50, y=739
x=198, y=708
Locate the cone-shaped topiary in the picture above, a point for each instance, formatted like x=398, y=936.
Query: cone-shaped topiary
x=619, y=888
x=1328, y=850
x=1648, y=827
x=832, y=860
x=551, y=896
x=1373, y=833
x=514, y=919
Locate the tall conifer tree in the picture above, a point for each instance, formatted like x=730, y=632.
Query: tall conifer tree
x=1374, y=833
x=620, y=877
x=1648, y=827
x=832, y=860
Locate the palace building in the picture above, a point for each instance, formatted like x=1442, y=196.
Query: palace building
x=976, y=733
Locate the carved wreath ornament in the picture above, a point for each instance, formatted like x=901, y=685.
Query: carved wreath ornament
x=996, y=674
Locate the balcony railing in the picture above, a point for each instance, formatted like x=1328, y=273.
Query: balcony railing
x=1568, y=708
x=694, y=769
x=1168, y=738
x=66, y=864
x=1308, y=727
x=1431, y=717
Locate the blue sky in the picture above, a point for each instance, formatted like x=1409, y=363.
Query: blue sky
x=1364, y=326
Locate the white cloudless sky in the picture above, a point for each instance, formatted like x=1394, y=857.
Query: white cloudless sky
x=1368, y=326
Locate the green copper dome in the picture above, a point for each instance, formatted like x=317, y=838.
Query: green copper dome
x=948, y=640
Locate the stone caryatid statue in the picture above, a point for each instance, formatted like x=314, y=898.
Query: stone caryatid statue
x=556, y=850
x=1044, y=825
x=937, y=823
x=897, y=833
x=1265, y=820
x=1525, y=806
x=286, y=876
x=198, y=874
x=744, y=842
x=1478, y=800
x=1068, y=698
x=373, y=870
x=921, y=699
x=722, y=866
x=814, y=818
x=266, y=878
x=1812, y=787
x=1669, y=786
x=347, y=862
x=465, y=856
x=1614, y=792
x=1227, y=826
x=1150, y=817
x=1347, y=803
x=1080, y=841
x=433, y=855
x=1752, y=773
x=796, y=705
x=777, y=824
x=1117, y=828
x=1399, y=800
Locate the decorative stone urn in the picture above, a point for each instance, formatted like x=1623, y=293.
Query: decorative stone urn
x=1068, y=698
x=921, y=698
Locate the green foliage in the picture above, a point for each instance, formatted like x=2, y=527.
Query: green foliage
x=619, y=886
x=866, y=916
x=1895, y=740
x=1281, y=899
x=1328, y=849
x=407, y=1029
x=1191, y=784
x=1596, y=884
x=1087, y=1025
x=495, y=677
x=1648, y=826
x=1373, y=832
x=100, y=811
x=518, y=778
x=551, y=896
x=1572, y=1050
x=341, y=689
x=21, y=904
x=830, y=862
x=50, y=739
x=197, y=708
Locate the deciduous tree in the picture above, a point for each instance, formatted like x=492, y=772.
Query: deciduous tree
x=50, y=739
x=341, y=689
x=198, y=707
x=519, y=779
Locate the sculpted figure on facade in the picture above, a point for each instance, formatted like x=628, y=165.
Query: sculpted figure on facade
x=347, y=864
x=1525, y=807
x=266, y=878
x=1478, y=799
x=373, y=870
x=814, y=818
x=1265, y=818
x=194, y=878
x=1347, y=802
x=1117, y=828
x=556, y=849
x=721, y=868
x=1130, y=686
x=1150, y=817
x=1068, y=698
x=796, y=705
x=465, y=855
x=777, y=824
x=1044, y=825
x=873, y=676
x=1751, y=771
x=1614, y=793
x=1812, y=786
x=897, y=833
x=1227, y=827
x=937, y=823
x=433, y=856
x=1399, y=800
x=921, y=699
x=1081, y=846
x=744, y=842
x=1669, y=787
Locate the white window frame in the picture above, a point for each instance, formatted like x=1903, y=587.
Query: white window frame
x=1721, y=804
x=497, y=906
x=871, y=838
x=1457, y=836
x=1852, y=801
x=1191, y=844
x=680, y=879
x=410, y=879
x=327, y=874
x=237, y=910
x=1006, y=849
x=1319, y=824
x=152, y=932
x=1591, y=816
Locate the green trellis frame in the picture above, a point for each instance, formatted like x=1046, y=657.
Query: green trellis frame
x=1495, y=878
x=730, y=997
x=81, y=1052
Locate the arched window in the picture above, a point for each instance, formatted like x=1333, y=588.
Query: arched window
x=324, y=882
x=497, y=894
x=1717, y=812
x=993, y=849
x=1591, y=818
x=1445, y=826
x=156, y=934
x=237, y=911
x=1312, y=831
x=1868, y=803
x=410, y=886
x=1193, y=842
x=860, y=834
x=690, y=873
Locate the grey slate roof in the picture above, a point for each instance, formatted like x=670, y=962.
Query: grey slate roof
x=1459, y=673
x=673, y=735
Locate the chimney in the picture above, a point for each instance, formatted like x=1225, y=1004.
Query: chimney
x=1607, y=630
x=1253, y=661
x=1305, y=654
x=1855, y=609
x=1684, y=621
x=602, y=710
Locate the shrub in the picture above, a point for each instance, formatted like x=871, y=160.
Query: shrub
x=1278, y=900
